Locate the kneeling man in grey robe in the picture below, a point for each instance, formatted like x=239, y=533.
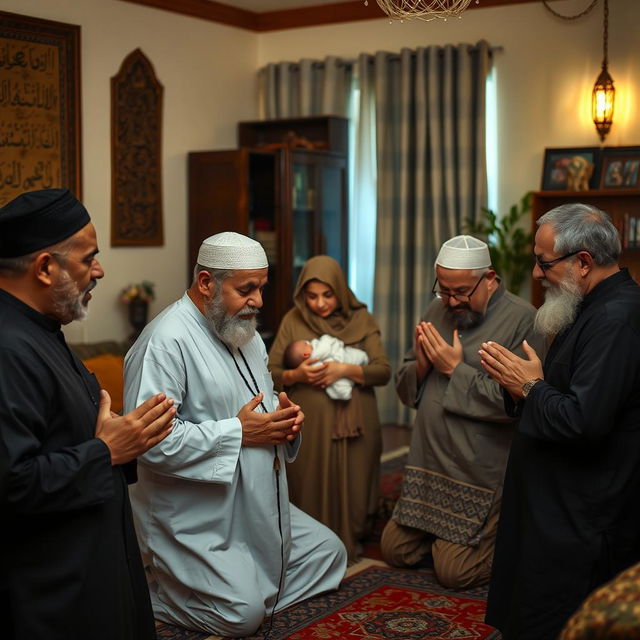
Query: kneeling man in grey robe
x=452, y=486
x=222, y=546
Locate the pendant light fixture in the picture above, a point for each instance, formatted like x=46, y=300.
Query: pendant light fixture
x=423, y=9
x=603, y=95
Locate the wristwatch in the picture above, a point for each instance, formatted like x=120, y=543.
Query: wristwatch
x=528, y=385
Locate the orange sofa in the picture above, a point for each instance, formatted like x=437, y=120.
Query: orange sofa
x=106, y=361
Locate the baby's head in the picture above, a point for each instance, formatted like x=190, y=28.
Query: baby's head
x=297, y=352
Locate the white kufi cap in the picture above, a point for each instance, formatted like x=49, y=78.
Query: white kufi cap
x=230, y=250
x=464, y=252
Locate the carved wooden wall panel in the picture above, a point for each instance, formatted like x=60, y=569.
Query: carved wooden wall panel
x=136, y=155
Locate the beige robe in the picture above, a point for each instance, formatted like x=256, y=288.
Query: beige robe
x=334, y=481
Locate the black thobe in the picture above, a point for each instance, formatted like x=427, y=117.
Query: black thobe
x=570, y=513
x=70, y=565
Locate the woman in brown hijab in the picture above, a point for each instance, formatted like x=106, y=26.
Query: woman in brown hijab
x=335, y=477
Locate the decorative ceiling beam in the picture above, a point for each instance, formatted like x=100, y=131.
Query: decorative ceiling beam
x=287, y=18
x=319, y=15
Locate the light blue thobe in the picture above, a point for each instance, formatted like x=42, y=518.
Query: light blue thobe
x=206, y=508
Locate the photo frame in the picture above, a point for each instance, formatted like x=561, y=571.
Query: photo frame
x=571, y=169
x=620, y=168
x=39, y=106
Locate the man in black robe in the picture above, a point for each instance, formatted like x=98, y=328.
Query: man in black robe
x=570, y=519
x=70, y=567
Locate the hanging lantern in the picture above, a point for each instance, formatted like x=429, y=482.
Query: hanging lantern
x=602, y=102
x=604, y=93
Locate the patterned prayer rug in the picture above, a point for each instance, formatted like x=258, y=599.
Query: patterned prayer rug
x=377, y=603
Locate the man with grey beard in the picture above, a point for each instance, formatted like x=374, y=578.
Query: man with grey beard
x=70, y=567
x=222, y=545
x=452, y=487
x=560, y=307
x=570, y=519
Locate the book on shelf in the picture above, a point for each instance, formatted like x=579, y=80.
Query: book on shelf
x=629, y=229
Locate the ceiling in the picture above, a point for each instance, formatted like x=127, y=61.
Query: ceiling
x=270, y=15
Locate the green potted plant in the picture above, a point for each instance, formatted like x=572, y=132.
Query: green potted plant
x=509, y=244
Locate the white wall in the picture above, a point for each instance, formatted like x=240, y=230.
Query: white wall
x=208, y=74
x=544, y=74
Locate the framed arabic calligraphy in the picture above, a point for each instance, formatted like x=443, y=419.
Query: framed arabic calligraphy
x=39, y=106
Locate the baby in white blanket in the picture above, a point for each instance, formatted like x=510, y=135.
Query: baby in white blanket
x=326, y=348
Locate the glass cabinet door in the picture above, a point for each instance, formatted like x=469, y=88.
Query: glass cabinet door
x=318, y=208
x=332, y=214
x=263, y=226
x=303, y=206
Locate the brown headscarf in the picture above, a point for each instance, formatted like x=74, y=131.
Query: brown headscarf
x=350, y=322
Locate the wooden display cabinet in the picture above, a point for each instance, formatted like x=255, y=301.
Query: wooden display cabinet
x=328, y=133
x=292, y=200
x=620, y=205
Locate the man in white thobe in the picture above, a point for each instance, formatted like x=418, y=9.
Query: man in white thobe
x=221, y=543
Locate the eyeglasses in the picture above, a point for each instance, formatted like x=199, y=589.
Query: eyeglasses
x=547, y=265
x=460, y=297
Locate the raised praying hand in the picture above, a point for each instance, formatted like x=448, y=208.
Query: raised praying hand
x=275, y=427
x=509, y=370
x=130, y=435
x=443, y=356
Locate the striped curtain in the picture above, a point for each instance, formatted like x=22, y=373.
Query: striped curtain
x=305, y=88
x=430, y=129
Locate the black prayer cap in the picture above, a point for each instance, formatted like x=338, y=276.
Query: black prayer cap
x=39, y=219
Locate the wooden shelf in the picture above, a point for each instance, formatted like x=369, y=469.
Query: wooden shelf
x=585, y=196
x=615, y=202
x=327, y=133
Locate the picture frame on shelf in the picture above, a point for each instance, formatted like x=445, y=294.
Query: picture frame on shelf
x=571, y=169
x=620, y=168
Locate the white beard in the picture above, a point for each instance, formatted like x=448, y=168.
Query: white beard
x=560, y=307
x=69, y=300
x=232, y=330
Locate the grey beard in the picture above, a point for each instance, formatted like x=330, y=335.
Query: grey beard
x=465, y=319
x=560, y=307
x=68, y=299
x=232, y=330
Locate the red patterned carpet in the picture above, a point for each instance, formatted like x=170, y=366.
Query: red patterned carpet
x=377, y=602
x=387, y=604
